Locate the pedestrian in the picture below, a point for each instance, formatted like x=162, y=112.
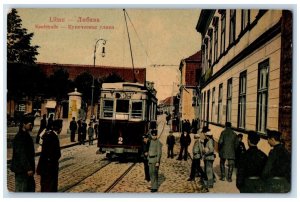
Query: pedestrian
x=277, y=171
x=43, y=125
x=197, y=155
x=185, y=141
x=155, y=151
x=48, y=163
x=228, y=143
x=170, y=142
x=96, y=128
x=79, y=131
x=91, y=133
x=240, y=149
x=208, y=157
x=145, y=152
x=50, y=122
x=251, y=164
x=23, y=164
x=73, y=128
x=83, y=132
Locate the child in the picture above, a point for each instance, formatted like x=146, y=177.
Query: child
x=170, y=142
x=91, y=134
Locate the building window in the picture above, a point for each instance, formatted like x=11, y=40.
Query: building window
x=223, y=30
x=229, y=101
x=216, y=42
x=245, y=19
x=242, y=100
x=206, y=65
x=203, y=58
x=220, y=103
x=213, y=104
x=232, y=26
x=122, y=106
x=204, y=104
x=22, y=107
x=210, y=47
x=262, y=96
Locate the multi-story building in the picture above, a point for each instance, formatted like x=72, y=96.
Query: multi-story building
x=190, y=69
x=246, y=76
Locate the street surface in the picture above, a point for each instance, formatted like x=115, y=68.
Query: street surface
x=82, y=170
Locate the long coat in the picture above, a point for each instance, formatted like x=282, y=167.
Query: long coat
x=23, y=153
x=48, y=163
x=155, y=151
x=228, y=143
x=251, y=164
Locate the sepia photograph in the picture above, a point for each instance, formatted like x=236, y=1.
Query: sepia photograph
x=149, y=100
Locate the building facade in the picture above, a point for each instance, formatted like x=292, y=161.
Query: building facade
x=190, y=69
x=246, y=76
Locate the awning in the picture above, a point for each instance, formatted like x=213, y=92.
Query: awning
x=51, y=104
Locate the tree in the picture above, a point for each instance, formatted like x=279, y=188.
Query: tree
x=113, y=78
x=19, y=49
x=83, y=83
x=58, y=87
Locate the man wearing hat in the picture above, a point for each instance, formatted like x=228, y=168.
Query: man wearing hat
x=252, y=162
x=228, y=144
x=23, y=164
x=48, y=162
x=277, y=171
x=154, y=155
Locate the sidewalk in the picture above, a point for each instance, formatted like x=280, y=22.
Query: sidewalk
x=12, y=131
x=219, y=186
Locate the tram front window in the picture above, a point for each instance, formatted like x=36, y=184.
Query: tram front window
x=122, y=106
x=137, y=109
x=108, y=108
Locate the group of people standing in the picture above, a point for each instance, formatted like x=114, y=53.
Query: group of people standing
x=23, y=163
x=83, y=129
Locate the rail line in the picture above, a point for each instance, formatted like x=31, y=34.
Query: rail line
x=119, y=178
x=78, y=182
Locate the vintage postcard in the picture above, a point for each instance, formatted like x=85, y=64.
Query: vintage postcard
x=149, y=100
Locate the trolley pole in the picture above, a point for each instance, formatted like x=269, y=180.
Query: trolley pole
x=93, y=83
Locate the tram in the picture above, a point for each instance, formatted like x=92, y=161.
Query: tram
x=127, y=112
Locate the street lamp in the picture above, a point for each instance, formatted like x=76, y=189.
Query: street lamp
x=93, y=84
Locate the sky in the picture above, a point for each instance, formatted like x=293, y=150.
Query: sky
x=160, y=39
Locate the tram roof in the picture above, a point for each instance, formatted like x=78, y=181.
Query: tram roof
x=122, y=85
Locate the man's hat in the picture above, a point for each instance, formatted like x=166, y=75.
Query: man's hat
x=274, y=134
x=253, y=137
x=205, y=129
x=196, y=136
x=154, y=132
x=228, y=124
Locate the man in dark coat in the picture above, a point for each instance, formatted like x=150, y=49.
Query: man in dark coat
x=48, y=163
x=73, y=128
x=277, y=172
x=43, y=125
x=228, y=144
x=170, y=142
x=23, y=164
x=251, y=164
x=185, y=141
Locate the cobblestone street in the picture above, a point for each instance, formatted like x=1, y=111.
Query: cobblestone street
x=82, y=170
